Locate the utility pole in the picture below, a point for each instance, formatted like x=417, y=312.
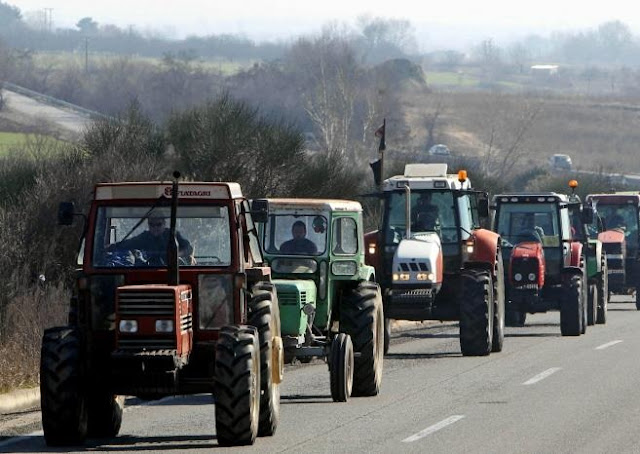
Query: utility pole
x=86, y=55
x=48, y=19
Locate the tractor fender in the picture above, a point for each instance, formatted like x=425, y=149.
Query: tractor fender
x=576, y=253
x=485, y=248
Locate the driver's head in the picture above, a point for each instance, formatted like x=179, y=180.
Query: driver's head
x=156, y=225
x=424, y=199
x=298, y=230
x=528, y=221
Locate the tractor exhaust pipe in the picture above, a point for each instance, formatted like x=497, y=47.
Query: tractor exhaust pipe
x=172, y=247
x=407, y=207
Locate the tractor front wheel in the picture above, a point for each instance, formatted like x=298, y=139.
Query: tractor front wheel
x=361, y=316
x=105, y=414
x=237, y=385
x=341, y=367
x=592, y=304
x=476, y=313
x=603, y=294
x=571, y=307
x=264, y=315
x=498, y=306
x=63, y=401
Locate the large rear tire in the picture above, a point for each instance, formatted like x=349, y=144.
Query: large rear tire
x=105, y=414
x=361, y=316
x=592, y=304
x=498, y=306
x=603, y=294
x=62, y=396
x=571, y=307
x=237, y=385
x=476, y=313
x=264, y=315
x=341, y=367
x=387, y=335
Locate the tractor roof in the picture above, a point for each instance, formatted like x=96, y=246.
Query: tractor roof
x=531, y=197
x=616, y=197
x=155, y=189
x=426, y=176
x=314, y=204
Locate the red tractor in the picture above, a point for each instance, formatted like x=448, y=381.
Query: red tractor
x=547, y=266
x=181, y=308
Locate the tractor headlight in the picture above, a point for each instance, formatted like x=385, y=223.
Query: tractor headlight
x=532, y=277
x=372, y=248
x=401, y=276
x=128, y=326
x=517, y=277
x=164, y=326
x=424, y=276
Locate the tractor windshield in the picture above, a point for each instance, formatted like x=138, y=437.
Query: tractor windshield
x=430, y=211
x=519, y=222
x=138, y=236
x=296, y=234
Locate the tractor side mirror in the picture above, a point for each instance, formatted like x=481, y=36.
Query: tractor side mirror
x=66, y=210
x=483, y=208
x=260, y=210
x=587, y=215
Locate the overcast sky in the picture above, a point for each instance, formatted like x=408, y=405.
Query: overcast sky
x=437, y=23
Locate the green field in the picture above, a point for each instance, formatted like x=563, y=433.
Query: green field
x=18, y=142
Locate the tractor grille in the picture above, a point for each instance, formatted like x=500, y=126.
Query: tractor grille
x=525, y=267
x=186, y=322
x=420, y=295
x=289, y=299
x=413, y=266
x=146, y=303
x=145, y=343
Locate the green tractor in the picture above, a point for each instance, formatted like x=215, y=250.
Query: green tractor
x=586, y=227
x=330, y=305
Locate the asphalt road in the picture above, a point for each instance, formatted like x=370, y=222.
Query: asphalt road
x=542, y=394
x=67, y=120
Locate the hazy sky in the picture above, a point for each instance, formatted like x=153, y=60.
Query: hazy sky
x=436, y=22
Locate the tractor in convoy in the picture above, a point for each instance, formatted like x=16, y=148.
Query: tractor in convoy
x=620, y=212
x=330, y=304
x=547, y=268
x=172, y=297
x=432, y=259
x=586, y=227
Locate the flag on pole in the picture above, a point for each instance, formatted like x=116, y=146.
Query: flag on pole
x=380, y=133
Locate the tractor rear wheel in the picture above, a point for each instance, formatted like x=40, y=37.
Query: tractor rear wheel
x=105, y=414
x=603, y=294
x=387, y=334
x=592, y=304
x=341, y=367
x=571, y=307
x=63, y=401
x=476, y=313
x=264, y=315
x=237, y=385
x=361, y=316
x=498, y=306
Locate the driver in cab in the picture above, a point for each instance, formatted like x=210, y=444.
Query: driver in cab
x=299, y=244
x=154, y=242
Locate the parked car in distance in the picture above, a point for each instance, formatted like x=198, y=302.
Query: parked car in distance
x=439, y=150
x=560, y=162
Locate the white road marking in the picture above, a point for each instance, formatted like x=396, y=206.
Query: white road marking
x=431, y=429
x=542, y=376
x=608, y=344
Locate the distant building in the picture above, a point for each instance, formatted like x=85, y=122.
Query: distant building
x=544, y=70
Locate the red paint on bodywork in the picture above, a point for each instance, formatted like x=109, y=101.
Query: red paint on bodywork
x=529, y=250
x=486, y=246
x=576, y=253
x=612, y=236
x=374, y=259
